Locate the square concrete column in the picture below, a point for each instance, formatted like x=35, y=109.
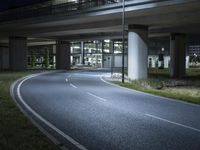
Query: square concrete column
x=1, y=58
x=18, y=53
x=112, y=51
x=4, y=58
x=112, y=46
x=82, y=53
x=62, y=55
x=177, y=55
x=137, y=52
x=102, y=53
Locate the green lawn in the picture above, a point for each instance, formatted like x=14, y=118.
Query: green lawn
x=16, y=131
x=159, y=83
x=192, y=72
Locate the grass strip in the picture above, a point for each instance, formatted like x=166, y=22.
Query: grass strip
x=16, y=131
x=159, y=83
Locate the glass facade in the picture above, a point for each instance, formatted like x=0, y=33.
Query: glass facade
x=75, y=48
x=98, y=54
x=95, y=54
x=107, y=47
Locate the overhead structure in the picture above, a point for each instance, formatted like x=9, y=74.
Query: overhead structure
x=87, y=20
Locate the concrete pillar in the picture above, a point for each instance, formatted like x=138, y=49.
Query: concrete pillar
x=1, y=58
x=112, y=46
x=102, y=53
x=54, y=56
x=112, y=51
x=18, y=53
x=82, y=53
x=62, y=55
x=177, y=55
x=137, y=52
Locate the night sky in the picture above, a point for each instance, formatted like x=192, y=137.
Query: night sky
x=5, y=4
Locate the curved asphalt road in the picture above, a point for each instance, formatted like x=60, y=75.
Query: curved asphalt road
x=84, y=112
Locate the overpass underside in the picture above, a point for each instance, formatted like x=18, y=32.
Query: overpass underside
x=64, y=23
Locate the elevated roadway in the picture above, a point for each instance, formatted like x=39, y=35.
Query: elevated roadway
x=67, y=22
x=161, y=16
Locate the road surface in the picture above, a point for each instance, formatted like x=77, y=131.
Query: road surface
x=82, y=111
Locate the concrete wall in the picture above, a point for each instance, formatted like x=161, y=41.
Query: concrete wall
x=114, y=60
x=118, y=61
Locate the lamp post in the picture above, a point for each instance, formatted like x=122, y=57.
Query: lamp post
x=123, y=38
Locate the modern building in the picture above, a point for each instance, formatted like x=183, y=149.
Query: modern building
x=108, y=53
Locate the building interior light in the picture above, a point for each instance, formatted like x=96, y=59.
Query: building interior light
x=107, y=41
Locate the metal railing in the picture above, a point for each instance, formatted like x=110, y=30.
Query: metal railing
x=82, y=6
x=47, y=9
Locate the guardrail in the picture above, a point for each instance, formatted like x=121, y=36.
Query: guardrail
x=48, y=9
x=70, y=8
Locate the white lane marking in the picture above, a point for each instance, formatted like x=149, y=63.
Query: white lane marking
x=109, y=82
x=78, y=145
x=51, y=137
x=175, y=123
x=72, y=85
x=89, y=75
x=102, y=99
x=66, y=80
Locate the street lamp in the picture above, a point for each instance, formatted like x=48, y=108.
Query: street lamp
x=123, y=38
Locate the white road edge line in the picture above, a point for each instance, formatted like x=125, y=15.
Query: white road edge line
x=166, y=98
x=175, y=123
x=72, y=85
x=78, y=145
x=44, y=131
x=102, y=99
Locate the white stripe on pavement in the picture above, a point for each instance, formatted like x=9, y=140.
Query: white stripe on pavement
x=72, y=85
x=78, y=145
x=102, y=99
x=175, y=123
